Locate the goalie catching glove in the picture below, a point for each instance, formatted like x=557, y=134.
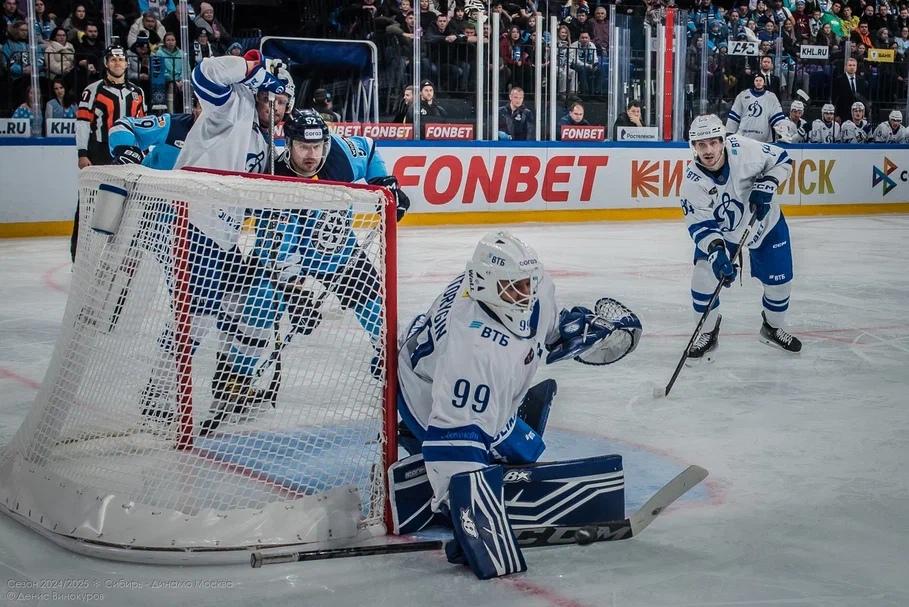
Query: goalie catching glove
x=596, y=338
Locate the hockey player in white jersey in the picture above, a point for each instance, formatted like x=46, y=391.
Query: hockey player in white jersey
x=794, y=128
x=731, y=179
x=893, y=130
x=466, y=366
x=856, y=129
x=755, y=112
x=825, y=129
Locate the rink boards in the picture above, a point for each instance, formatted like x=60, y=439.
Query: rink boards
x=510, y=182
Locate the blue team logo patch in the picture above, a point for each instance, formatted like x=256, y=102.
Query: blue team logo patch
x=467, y=524
x=755, y=109
x=728, y=212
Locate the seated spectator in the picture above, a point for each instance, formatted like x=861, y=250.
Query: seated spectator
x=138, y=64
x=10, y=14
x=574, y=117
x=235, y=49
x=516, y=119
x=630, y=117
x=15, y=51
x=585, y=63
x=158, y=8
x=25, y=108
x=902, y=43
x=599, y=30
x=90, y=53
x=75, y=24
x=202, y=48
x=321, y=102
x=862, y=36
x=516, y=68
x=62, y=104
x=172, y=60
x=44, y=25
x=171, y=22
x=428, y=104
x=405, y=108
x=218, y=36
x=59, y=54
x=154, y=30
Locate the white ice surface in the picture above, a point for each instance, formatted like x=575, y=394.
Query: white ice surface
x=808, y=495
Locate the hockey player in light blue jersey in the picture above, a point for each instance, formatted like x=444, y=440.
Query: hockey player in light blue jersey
x=465, y=375
x=731, y=179
x=152, y=141
x=317, y=244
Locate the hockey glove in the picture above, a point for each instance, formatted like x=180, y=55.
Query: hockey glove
x=720, y=262
x=128, y=154
x=761, y=194
x=579, y=329
x=402, y=201
x=261, y=77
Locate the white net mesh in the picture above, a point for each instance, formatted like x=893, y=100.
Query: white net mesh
x=220, y=381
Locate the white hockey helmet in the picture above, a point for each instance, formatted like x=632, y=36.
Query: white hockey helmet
x=505, y=274
x=797, y=106
x=858, y=105
x=828, y=109
x=289, y=89
x=706, y=126
x=896, y=116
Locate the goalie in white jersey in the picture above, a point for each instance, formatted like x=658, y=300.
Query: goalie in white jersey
x=857, y=129
x=755, y=112
x=893, y=130
x=465, y=368
x=731, y=179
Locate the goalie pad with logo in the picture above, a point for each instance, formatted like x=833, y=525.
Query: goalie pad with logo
x=483, y=538
x=574, y=492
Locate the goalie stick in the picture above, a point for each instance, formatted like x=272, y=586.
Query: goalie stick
x=528, y=537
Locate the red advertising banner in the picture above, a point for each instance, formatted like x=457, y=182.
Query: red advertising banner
x=449, y=131
x=575, y=132
x=376, y=130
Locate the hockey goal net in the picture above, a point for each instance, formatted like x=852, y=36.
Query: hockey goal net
x=224, y=377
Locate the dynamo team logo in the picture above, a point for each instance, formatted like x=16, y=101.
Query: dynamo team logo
x=755, y=109
x=879, y=175
x=467, y=524
x=728, y=212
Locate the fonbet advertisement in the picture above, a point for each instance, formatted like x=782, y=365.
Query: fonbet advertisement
x=470, y=179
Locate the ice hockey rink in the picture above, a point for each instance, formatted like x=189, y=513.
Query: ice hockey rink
x=808, y=491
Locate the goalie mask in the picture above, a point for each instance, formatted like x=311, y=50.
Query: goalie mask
x=308, y=142
x=504, y=275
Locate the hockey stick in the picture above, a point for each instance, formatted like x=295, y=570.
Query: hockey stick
x=657, y=391
x=528, y=537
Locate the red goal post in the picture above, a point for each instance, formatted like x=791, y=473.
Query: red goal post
x=153, y=310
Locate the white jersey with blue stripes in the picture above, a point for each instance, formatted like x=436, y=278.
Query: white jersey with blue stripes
x=715, y=204
x=462, y=376
x=754, y=114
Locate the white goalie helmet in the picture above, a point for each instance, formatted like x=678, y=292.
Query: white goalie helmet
x=505, y=275
x=707, y=126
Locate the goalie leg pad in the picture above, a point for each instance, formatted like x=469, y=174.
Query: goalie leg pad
x=410, y=494
x=574, y=492
x=482, y=535
x=534, y=409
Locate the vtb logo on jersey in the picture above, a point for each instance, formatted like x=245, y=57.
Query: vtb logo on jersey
x=728, y=212
x=755, y=109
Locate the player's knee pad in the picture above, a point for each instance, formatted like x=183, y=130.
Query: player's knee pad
x=518, y=444
x=534, y=409
x=573, y=492
x=483, y=538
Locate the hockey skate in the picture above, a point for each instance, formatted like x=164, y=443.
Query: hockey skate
x=703, y=347
x=235, y=400
x=779, y=338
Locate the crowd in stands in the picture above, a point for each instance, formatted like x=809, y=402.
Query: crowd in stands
x=72, y=43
